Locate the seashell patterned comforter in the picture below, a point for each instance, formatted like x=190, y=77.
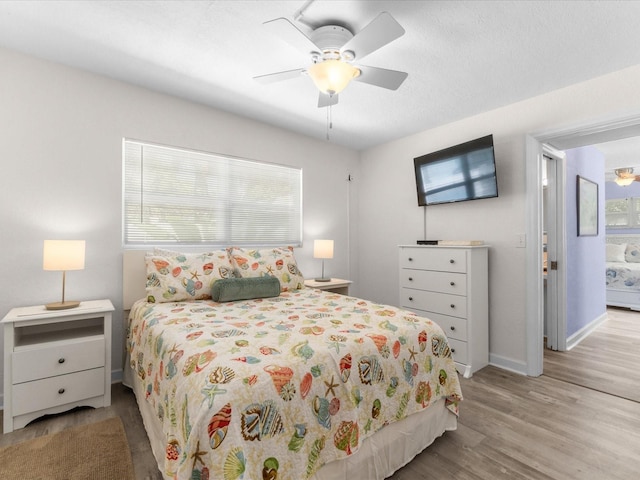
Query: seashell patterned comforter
x=275, y=388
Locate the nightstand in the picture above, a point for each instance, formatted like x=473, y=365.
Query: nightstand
x=335, y=285
x=55, y=360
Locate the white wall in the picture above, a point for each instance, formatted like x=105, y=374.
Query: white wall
x=389, y=215
x=61, y=132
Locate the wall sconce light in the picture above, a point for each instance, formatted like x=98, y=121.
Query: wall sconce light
x=63, y=255
x=323, y=249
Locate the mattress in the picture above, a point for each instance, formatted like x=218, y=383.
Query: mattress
x=309, y=384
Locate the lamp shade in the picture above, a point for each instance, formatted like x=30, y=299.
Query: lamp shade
x=63, y=255
x=332, y=76
x=323, y=249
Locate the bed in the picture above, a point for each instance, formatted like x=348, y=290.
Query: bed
x=298, y=384
x=623, y=271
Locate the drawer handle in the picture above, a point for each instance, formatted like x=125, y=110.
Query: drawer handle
x=452, y=306
x=452, y=284
x=61, y=360
x=411, y=299
x=452, y=328
x=411, y=279
x=453, y=350
x=452, y=261
x=61, y=391
x=410, y=259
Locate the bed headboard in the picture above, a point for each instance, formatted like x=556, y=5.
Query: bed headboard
x=620, y=238
x=134, y=277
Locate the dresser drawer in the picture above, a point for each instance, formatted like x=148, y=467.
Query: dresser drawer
x=453, y=327
x=50, y=392
x=445, y=282
x=35, y=362
x=441, y=259
x=454, y=305
x=459, y=350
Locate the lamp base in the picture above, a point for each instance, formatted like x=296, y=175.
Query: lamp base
x=322, y=279
x=62, y=305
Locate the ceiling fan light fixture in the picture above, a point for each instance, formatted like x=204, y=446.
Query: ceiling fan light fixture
x=624, y=176
x=332, y=76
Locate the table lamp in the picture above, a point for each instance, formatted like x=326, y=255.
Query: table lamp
x=63, y=255
x=322, y=249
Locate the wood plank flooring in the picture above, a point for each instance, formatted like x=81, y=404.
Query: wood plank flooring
x=607, y=360
x=511, y=426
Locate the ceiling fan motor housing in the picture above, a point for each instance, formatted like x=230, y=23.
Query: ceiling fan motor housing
x=330, y=38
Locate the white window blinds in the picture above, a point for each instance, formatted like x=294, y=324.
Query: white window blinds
x=177, y=196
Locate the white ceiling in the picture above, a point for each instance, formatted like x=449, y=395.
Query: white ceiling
x=463, y=57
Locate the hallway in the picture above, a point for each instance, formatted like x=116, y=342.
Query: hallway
x=608, y=360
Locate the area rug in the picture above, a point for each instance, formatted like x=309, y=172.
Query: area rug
x=96, y=451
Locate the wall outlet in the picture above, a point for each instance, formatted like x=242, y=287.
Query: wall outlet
x=521, y=240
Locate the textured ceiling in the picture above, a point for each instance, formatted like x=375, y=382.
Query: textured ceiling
x=463, y=57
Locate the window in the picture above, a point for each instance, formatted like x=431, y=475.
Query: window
x=177, y=196
x=622, y=212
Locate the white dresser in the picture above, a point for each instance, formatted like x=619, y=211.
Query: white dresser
x=449, y=285
x=55, y=360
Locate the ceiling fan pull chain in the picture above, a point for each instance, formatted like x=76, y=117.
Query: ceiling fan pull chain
x=330, y=116
x=329, y=122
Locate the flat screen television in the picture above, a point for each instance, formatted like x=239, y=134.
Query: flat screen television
x=456, y=174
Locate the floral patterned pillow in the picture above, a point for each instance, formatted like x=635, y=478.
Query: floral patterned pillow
x=632, y=253
x=181, y=277
x=278, y=262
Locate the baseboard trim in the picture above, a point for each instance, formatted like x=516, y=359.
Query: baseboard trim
x=510, y=364
x=585, y=331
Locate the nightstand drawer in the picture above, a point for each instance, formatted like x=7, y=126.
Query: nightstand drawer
x=50, y=392
x=61, y=358
x=445, y=282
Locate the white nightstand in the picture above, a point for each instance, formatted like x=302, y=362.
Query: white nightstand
x=335, y=285
x=55, y=360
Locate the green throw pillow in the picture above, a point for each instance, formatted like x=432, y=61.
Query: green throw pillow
x=232, y=289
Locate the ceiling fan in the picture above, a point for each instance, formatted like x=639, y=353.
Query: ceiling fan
x=335, y=54
x=625, y=177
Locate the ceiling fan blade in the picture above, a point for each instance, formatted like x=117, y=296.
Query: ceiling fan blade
x=279, y=76
x=291, y=34
x=381, y=77
x=325, y=100
x=380, y=31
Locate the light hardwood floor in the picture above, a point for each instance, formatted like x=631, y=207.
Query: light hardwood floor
x=609, y=360
x=510, y=427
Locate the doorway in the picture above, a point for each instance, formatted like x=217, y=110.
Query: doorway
x=559, y=139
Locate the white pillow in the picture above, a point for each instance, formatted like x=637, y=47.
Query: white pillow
x=615, y=253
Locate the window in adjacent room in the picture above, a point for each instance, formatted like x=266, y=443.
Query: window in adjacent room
x=622, y=212
x=186, y=197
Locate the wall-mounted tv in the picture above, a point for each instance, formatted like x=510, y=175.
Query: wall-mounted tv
x=455, y=174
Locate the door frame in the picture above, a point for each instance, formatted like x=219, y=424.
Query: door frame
x=560, y=138
x=556, y=284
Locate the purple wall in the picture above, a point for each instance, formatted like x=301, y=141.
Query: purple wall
x=586, y=287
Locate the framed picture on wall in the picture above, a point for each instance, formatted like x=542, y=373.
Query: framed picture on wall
x=587, y=202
